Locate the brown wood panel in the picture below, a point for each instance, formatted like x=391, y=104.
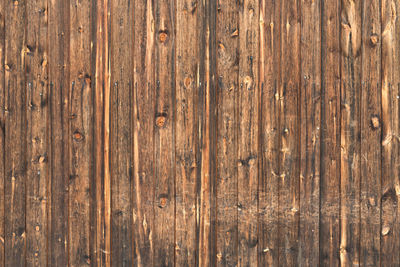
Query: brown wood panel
x=289, y=94
x=143, y=138
x=58, y=61
x=80, y=115
x=121, y=124
x=330, y=135
x=310, y=132
x=370, y=108
x=388, y=124
x=199, y=133
x=37, y=101
x=248, y=133
x=268, y=196
x=15, y=139
x=164, y=134
x=227, y=122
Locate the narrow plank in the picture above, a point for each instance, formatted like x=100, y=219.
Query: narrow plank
x=390, y=242
x=227, y=165
x=270, y=58
x=206, y=197
x=330, y=135
x=310, y=132
x=289, y=129
x=121, y=59
x=58, y=61
x=15, y=137
x=186, y=133
x=37, y=133
x=81, y=133
x=143, y=122
x=371, y=136
x=101, y=188
x=2, y=129
x=350, y=131
x=248, y=133
x=164, y=135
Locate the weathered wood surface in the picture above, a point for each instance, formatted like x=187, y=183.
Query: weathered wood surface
x=199, y=133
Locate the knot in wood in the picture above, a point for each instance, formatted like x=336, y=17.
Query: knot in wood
x=374, y=39
x=375, y=122
x=160, y=120
x=78, y=136
x=163, y=36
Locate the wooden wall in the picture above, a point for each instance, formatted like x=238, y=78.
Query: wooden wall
x=199, y=133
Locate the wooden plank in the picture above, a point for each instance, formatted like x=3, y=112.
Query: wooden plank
x=206, y=212
x=37, y=133
x=350, y=131
x=248, y=133
x=186, y=133
x=289, y=128
x=310, y=132
x=101, y=187
x=370, y=200
x=143, y=121
x=15, y=137
x=121, y=132
x=81, y=132
x=227, y=90
x=2, y=129
x=390, y=242
x=164, y=135
x=330, y=134
x=58, y=61
x=270, y=58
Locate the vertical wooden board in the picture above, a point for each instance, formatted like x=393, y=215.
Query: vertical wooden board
x=143, y=123
x=121, y=132
x=350, y=131
x=270, y=58
x=101, y=198
x=2, y=130
x=370, y=200
x=289, y=129
x=310, y=132
x=36, y=54
x=390, y=129
x=206, y=199
x=81, y=132
x=58, y=61
x=329, y=230
x=186, y=133
x=164, y=135
x=248, y=133
x=15, y=137
x=227, y=187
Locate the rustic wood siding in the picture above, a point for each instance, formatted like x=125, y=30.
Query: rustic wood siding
x=199, y=133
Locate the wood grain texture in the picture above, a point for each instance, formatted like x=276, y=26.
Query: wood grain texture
x=59, y=134
x=37, y=101
x=289, y=92
x=121, y=124
x=80, y=115
x=248, y=133
x=389, y=127
x=330, y=135
x=143, y=138
x=351, y=69
x=15, y=139
x=186, y=133
x=270, y=58
x=227, y=125
x=199, y=133
x=164, y=134
x=310, y=132
x=370, y=108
